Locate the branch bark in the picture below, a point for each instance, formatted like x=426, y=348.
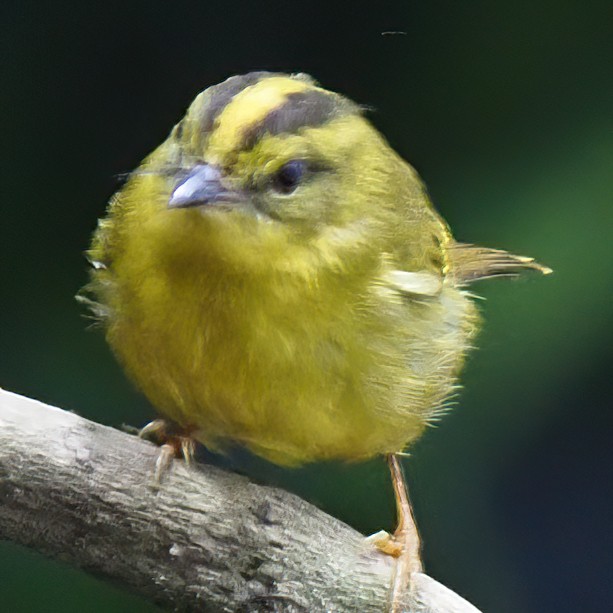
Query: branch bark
x=205, y=540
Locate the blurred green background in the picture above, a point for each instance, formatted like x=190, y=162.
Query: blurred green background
x=506, y=111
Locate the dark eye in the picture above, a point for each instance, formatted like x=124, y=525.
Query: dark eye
x=288, y=177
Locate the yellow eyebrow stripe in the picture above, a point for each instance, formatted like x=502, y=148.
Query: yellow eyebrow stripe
x=246, y=109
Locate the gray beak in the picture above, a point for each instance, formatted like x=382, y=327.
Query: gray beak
x=202, y=186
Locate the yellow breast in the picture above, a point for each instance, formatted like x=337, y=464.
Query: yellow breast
x=298, y=358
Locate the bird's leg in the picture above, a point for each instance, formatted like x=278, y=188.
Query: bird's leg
x=406, y=531
x=174, y=443
x=405, y=538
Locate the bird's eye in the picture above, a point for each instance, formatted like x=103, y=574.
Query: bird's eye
x=289, y=176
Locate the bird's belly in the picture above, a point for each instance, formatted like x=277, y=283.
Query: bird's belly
x=312, y=401
x=346, y=387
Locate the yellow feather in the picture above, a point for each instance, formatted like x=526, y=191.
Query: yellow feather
x=324, y=321
x=246, y=109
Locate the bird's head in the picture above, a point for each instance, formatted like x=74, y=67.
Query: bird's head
x=265, y=163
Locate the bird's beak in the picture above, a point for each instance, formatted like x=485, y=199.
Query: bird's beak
x=202, y=186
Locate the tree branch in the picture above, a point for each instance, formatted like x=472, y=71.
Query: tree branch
x=205, y=540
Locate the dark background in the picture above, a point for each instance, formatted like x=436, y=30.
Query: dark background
x=506, y=111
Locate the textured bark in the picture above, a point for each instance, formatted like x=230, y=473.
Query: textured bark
x=205, y=540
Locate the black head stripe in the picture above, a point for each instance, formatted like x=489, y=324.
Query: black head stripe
x=219, y=96
x=310, y=108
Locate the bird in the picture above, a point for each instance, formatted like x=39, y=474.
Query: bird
x=275, y=275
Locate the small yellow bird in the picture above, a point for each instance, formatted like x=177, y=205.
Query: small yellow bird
x=275, y=275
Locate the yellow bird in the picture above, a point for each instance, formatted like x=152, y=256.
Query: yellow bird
x=275, y=275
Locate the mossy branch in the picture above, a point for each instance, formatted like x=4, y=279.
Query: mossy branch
x=205, y=540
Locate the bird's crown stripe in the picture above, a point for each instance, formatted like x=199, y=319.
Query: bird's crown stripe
x=309, y=108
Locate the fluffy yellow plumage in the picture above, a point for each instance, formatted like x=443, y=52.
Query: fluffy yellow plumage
x=275, y=275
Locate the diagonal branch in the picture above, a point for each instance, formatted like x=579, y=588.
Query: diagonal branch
x=206, y=540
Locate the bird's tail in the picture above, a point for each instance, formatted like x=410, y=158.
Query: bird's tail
x=468, y=263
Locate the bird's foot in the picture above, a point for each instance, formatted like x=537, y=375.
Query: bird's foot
x=174, y=442
x=408, y=561
x=402, y=546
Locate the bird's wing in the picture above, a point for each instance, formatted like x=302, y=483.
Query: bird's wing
x=421, y=283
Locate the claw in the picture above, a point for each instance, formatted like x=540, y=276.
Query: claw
x=174, y=443
x=188, y=449
x=385, y=543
